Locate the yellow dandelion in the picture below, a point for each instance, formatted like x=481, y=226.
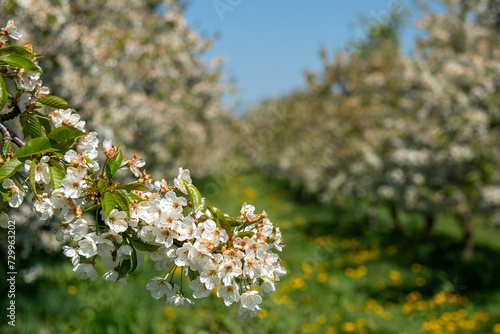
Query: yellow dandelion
x=394, y=275
x=336, y=317
x=321, y=319
x=416, y=267
x=420, y=281
x=348, y=326
x=72, y=290
x=307, y=328
x=322, y=277
x=361, y=271
x=386, y=316
x=330, y=330
x=307, y=268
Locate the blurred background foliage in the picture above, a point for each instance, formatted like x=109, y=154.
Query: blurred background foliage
x=383, y=170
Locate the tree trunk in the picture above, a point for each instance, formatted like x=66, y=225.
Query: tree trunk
x=428, y=235
x=372, y=217
x=395, y=224
x=468, y=241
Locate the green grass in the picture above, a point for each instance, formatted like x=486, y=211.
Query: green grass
x=342, y=278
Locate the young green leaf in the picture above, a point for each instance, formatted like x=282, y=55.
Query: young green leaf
x=65, y=133
x=32, y=177
x=57, y=173
x=5, y=194
x=23, y=120
x=44, y=121
x=134, y=186
x=225, y=225
x=3, y=93
x=124, y=268
x=9, y=168
x=101, y=185
x=142, y=246
x=34, y=128
x=131, y=196
x=6, y=148
x=194, y=195
x=122, y=201
x=245, y=234
x=54, y=102
x=18, y=61
x=35, y=146
x=108, y=203
x=134, y=260
x=233, y=222
x=114, y=164
x=193, y=274
x=17, y=50
x=216, y=213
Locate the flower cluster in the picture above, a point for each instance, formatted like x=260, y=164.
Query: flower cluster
x=58, y=172
x=229, y=260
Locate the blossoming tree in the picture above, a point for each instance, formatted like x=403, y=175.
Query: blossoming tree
x=418, y=132
x=56, y=168
x=137, y=73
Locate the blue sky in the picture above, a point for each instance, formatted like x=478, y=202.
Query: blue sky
x=268, y=44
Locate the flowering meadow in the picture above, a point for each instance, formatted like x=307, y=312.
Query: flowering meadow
x=341, y=278
x=133, y=200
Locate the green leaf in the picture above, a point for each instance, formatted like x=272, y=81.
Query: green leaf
x=142, y=246
x=54, y=102
x=134, y=260
x=114, y=164
x=23, y=120
x=44, y=121
x=101, y=185
x=245, y=234
x=203, y=218
x=216, y=213
x=108, y=203
x=134, y=186
x=193, y=274
x=3, y=93
x=32, y=177
x=35, y=146
x=6, y=148
x=17, y=50
x=5, y=194
x=18, y=61
x=194, y=195
x=57, y=174
x=124, y=268
x=64, y=133
x=131, y=196
x=34, y=127
x=9, y=168
x=122, y=201
x=233, y=222
x=225, y=225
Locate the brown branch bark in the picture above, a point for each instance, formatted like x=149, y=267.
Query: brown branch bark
x=10, y=135
x=11, y=115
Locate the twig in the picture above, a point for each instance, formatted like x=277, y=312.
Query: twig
x=10, y=135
